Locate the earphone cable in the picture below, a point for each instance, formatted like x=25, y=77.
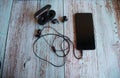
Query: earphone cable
x=65, y=51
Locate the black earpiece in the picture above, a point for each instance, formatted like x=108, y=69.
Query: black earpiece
x=44, y=15
x=54, y=21
x=37, y=33
x=64, y=18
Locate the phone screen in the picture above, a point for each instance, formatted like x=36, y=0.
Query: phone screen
x=84, y=31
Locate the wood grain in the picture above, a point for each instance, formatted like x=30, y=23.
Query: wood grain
x=103, y=62
x=5, y=9
x=49, y=70
x=20, y=62
x=17, y=45
x=19, y=59
x=116, y=6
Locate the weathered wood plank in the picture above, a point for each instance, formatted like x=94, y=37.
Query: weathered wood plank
x=107, y=59
x=116, y=6
x=19, y=58
x=5, y=9
x=102, y=62
x=20, y=62
x=49, y=70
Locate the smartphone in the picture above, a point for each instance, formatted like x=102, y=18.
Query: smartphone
x=84, y=31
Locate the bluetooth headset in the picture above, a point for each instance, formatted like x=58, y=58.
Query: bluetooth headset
x=43, y=16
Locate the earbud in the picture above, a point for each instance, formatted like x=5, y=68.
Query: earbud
x=37, y=33
x=64, y=18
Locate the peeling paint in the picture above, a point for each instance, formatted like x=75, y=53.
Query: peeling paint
x=108, y=6
x=116, y=5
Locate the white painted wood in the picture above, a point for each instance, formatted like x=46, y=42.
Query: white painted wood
x=5, y=9
x=102, y=62
x=116, y=6
x=20, y=61
x=49, y=70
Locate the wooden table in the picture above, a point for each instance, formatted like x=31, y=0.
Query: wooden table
x=17, y=27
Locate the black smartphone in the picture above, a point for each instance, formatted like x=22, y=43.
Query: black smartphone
x=84, y=31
